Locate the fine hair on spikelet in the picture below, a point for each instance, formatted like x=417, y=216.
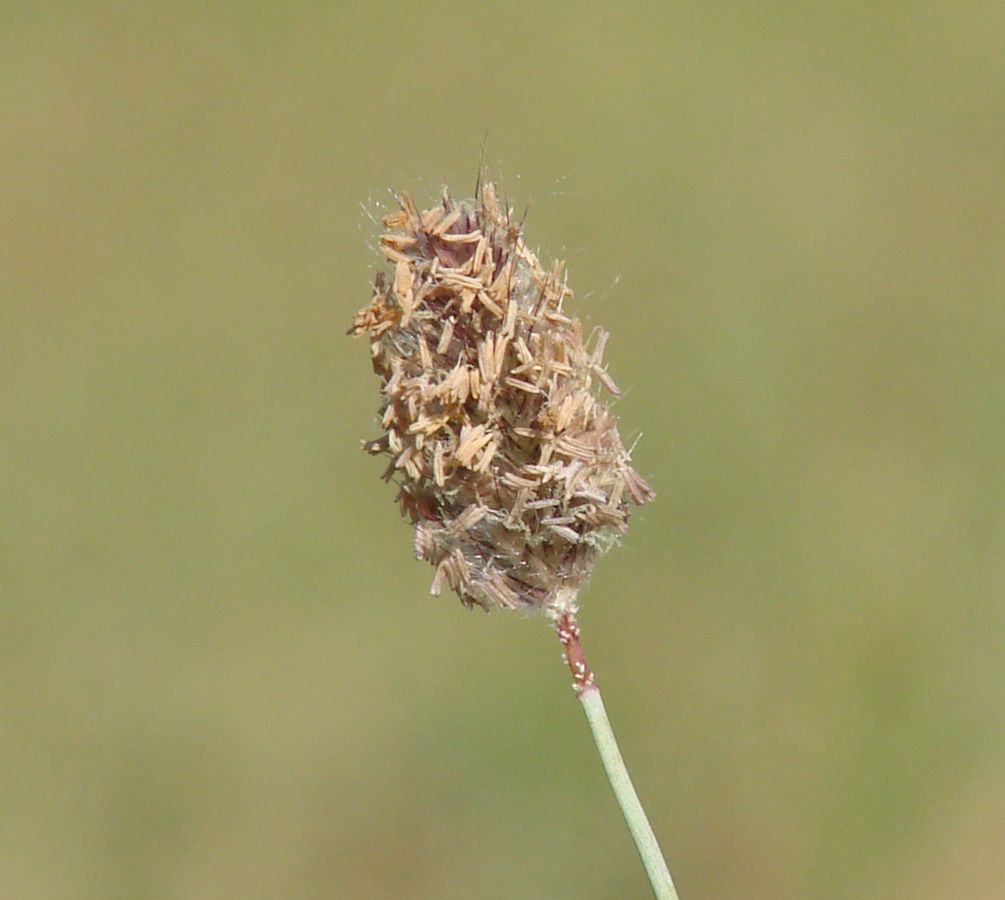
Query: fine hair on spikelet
x=509, y=466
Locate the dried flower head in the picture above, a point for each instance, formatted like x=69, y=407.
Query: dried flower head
x=510, y=469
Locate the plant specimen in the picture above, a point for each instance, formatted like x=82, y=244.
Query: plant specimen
x=509, y=467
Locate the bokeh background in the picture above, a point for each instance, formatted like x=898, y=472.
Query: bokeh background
x=221, y=675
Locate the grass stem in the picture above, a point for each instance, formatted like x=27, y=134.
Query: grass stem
x=614, y=765
x=628, y=800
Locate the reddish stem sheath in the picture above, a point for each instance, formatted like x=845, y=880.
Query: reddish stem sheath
x=568, y=633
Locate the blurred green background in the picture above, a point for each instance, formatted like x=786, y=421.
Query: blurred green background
x=221, y=673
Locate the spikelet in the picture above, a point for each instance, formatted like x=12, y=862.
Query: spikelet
x=510, y=469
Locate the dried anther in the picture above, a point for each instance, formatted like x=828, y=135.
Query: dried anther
x=511, y=471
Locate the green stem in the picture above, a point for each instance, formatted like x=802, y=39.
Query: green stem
x=628, y=800
x=617, y=774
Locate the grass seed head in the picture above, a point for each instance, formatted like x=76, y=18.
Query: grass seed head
x=509, y=467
